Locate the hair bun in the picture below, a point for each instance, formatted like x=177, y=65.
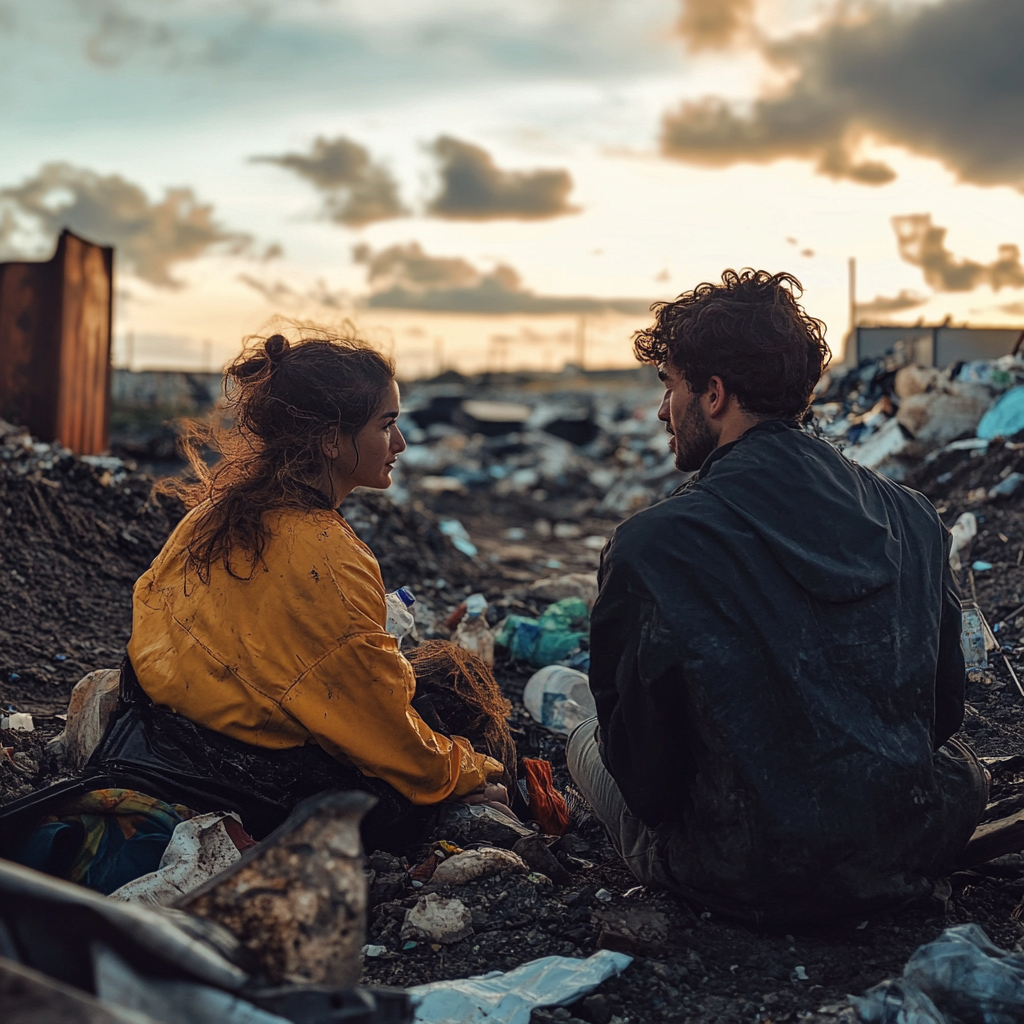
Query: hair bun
x=276, y=346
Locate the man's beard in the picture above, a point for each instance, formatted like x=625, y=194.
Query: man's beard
x=694, y=439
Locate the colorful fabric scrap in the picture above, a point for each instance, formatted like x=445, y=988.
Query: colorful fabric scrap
x=103, y=839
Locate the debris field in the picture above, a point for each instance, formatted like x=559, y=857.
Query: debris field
x=77, y=533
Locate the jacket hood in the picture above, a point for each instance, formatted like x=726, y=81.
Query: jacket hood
x=832, y=525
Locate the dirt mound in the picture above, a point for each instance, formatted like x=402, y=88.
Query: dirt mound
x=77, y=533
x=951, y=474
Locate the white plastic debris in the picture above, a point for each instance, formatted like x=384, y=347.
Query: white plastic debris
x=964, y=530
x=498, y=998
x=1007, y=486
x=370, y=949
x=937, y=417
x=199, y=849
x=887, y=441
x=458, y=535
x=559, y=698
x=469, y=865
x=437, y=919
x=18, y=721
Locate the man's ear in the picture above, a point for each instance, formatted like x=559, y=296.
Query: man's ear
x=717, y=396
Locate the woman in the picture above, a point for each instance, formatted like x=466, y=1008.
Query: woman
x=259, y=670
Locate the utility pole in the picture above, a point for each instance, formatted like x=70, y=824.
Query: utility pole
x=850, y=355
x=581, y=343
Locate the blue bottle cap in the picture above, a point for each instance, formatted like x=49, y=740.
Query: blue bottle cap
x=406, y=595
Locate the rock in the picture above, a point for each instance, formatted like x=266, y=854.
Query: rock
x=469, y=865
x=389, y=885
x=597, y=1008
x=637, y=930
x=437, y=919
x=574, y=584
x=536, y=852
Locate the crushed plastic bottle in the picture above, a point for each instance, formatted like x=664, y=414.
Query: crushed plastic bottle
x=400, y=619
x=559, y=698
x=976, y=638
x=473, y=634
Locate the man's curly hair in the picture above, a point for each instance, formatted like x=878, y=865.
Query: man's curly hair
x=750, y=331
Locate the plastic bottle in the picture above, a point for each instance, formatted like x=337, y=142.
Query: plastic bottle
x=473, y=633
x=400, y=619
x=559, y=698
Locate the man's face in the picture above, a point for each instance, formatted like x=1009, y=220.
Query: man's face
x=683, y=414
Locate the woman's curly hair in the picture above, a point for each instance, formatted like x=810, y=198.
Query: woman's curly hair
x=282, y=400
x=750, y=331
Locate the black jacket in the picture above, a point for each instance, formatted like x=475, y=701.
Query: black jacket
x=775, y=656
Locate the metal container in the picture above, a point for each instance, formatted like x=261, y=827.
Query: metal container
x=55, y=336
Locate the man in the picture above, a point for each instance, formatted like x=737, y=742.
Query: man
x=775, y=651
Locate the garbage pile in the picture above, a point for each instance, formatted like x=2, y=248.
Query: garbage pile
x=603, y=450
x=889, y=414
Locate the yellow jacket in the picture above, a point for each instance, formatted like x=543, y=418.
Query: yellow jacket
x=297, y=653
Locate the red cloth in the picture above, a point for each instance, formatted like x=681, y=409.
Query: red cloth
x=547, y=805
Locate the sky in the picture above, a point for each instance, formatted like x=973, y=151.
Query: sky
x=487, y=184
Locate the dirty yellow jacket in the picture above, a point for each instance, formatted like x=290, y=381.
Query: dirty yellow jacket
x=296, y=653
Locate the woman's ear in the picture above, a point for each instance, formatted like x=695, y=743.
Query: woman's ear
x=329, y=444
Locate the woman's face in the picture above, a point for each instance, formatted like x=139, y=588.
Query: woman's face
x=366, y=460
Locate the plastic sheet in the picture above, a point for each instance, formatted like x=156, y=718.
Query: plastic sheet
x=1006, y=417
x=498, y=998
x=960, y=978
x=199, y=849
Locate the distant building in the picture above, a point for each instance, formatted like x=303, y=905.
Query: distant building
x=932, y=346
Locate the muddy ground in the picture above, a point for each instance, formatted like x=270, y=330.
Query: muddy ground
x=72, y=542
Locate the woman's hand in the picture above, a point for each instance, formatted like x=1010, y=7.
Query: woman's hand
x=492, y=795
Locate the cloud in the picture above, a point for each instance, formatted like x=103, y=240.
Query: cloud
x=923, y=244
x=714, y=24
x=119, y=30
x=356, y=190
x=282, y=295
x=882, y=304
x=473, y=188
x=405, y=277
x=150, y=237
x=943, y=79
x=1016, y=308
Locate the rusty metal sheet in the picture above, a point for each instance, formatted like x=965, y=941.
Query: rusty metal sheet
x=55, y=341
